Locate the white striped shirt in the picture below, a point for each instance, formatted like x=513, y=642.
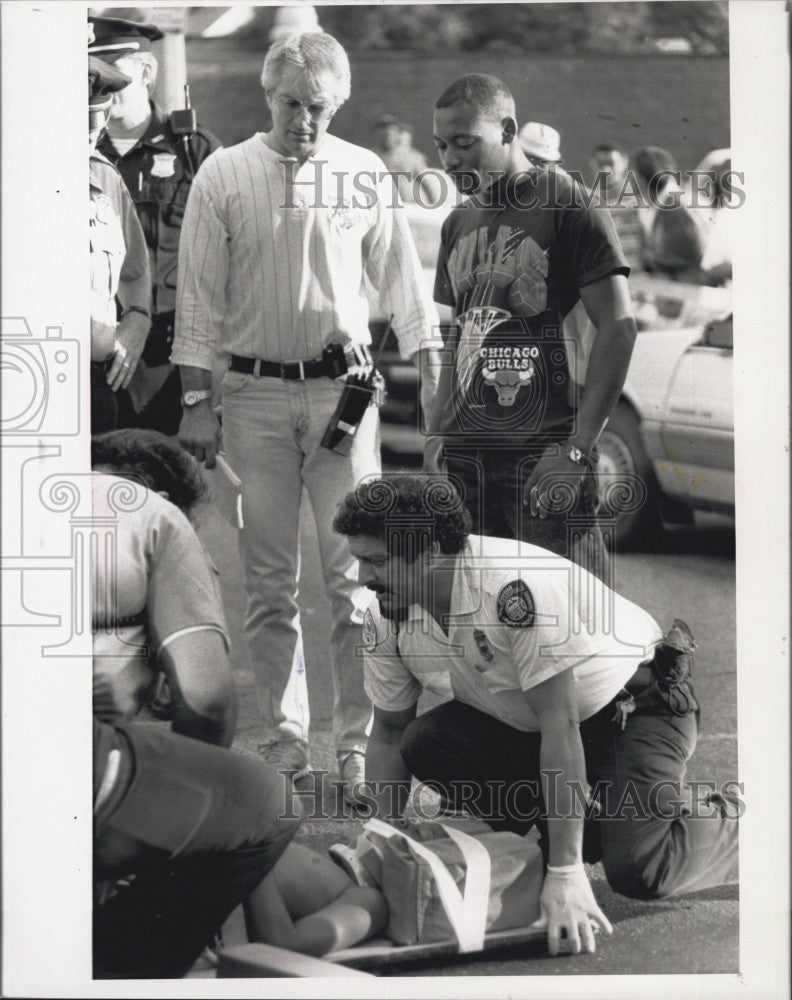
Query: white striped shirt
x=275, y=270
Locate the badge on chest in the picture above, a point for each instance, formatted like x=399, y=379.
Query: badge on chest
x=163, y=165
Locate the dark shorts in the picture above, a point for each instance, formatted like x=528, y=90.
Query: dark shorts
x=197, y=827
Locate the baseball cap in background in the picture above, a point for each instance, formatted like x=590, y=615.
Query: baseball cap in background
x=115, y=36
x=103, y=81
x=540, y=141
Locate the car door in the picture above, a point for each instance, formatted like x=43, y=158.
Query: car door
x=698, y=422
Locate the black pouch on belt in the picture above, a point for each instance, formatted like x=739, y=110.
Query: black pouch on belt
x=160, y=340
x=354, y=401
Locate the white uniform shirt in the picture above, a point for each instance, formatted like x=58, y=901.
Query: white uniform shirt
x=275, y=269
x=568, y=620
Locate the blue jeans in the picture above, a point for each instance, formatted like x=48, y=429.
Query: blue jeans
x=199, y=827
x=272, y=431
x=650, y=844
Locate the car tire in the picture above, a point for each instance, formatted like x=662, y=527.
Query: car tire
x=623, y=454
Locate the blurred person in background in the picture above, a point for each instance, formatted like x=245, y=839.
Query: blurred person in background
x=673, y=234
x=158, y=161
x=119, y=262
x=541, y=144
x=393, y=145
x=276, y=239
x=610, y=165
x=715, y=200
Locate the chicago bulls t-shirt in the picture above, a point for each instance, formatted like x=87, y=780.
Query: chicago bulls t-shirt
x=511, y=265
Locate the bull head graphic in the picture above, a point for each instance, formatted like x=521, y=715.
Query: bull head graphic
x=507, y=383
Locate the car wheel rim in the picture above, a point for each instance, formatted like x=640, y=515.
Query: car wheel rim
x=615, y=460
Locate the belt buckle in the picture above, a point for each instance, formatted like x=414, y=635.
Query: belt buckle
x=301, y=369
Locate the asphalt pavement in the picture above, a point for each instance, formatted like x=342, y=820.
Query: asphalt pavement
x=690, y=574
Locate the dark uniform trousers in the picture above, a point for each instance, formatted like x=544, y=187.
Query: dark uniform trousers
x=198, y=827
x=651, y=845
x=104, y=405
x=158, y=172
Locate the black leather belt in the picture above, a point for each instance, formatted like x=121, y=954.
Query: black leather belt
x=291, y=371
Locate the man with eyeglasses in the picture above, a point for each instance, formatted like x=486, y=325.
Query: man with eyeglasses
x=278, y=234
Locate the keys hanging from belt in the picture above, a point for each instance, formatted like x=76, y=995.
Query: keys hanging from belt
x=625, y=705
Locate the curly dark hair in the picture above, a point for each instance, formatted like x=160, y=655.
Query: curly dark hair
x=409, y=512
x=153, y=459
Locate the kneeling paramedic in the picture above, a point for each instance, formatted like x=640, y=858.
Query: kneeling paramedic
x=562, y=701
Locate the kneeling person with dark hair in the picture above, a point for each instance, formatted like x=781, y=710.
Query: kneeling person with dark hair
x=157, y=614
x=553, y=684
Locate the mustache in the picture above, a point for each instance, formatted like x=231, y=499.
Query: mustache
x=378, y=588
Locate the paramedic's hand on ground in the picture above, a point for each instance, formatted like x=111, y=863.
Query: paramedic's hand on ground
x=567, y=903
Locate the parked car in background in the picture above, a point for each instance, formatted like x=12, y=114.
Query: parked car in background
x=673, y=426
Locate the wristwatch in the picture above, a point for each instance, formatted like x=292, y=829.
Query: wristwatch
x=574, y=454
x=193, y=396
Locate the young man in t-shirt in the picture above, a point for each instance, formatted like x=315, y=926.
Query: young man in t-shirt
x=515, y=258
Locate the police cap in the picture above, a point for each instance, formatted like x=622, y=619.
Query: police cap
x=103, y=81
x=115, y=36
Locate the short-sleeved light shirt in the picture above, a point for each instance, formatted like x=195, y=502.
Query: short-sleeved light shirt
x=569, y=620
x=151, y=582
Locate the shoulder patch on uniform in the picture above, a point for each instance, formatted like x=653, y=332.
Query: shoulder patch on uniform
x=516, y=605
x=370, y=637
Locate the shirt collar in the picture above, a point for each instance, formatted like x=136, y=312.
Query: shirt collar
x=156, y=135
x=464, y=596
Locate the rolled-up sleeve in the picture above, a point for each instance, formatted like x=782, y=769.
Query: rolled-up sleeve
x=203, y=273
x=394, y=269
x=387, y=680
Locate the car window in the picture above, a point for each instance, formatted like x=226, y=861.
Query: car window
x=719, y=333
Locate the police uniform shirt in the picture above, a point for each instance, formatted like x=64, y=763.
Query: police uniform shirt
x=152, y=581
x=158, y=174
x=118, y=253
x=107, y=249
x=515, y=621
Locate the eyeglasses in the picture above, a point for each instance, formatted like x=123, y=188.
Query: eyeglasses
x=316, y=112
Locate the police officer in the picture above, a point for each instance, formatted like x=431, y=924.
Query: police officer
x=157, y=156
x=119, y=263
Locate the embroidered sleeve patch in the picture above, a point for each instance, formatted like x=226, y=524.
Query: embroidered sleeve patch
x=516, y=605
x=370, y=637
